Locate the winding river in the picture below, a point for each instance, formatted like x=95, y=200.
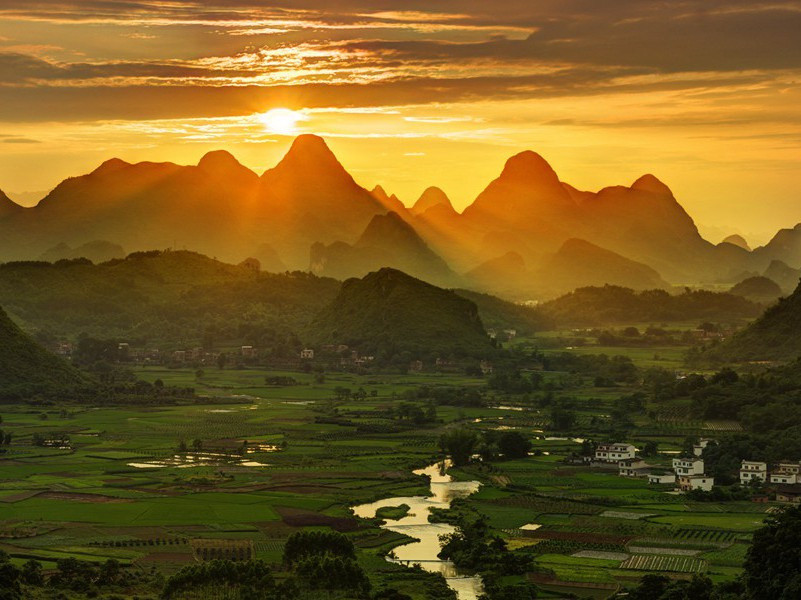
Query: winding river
x=415, y=524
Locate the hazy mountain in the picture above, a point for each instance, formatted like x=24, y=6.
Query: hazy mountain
x=387, y=241
x=221, y=208
x=97, y=251
x=388, y=313
x=506, y=276
x=8, y=206
x=785, y=276
x=759, y=289
x=310, y=197
x=784, y=246
x=27, y=367
x=579, y=263
x=737, y=240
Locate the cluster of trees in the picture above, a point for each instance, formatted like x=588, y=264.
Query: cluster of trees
x=593, y=306
x=70, y=575
x=473, y=547
x=605, y=369
x=460, y=444
x=325, y=560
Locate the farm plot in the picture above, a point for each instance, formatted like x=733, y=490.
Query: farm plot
x=673, y=564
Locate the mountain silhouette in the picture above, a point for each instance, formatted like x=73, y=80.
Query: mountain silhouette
x=387, y=241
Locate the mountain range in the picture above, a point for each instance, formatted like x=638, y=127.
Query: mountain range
x=527, y=235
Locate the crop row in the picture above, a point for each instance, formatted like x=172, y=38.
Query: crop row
x=675, y=564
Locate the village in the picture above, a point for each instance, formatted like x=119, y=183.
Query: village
x=781, y=482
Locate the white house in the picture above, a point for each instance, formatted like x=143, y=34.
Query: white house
x=660, y=478
x=787, y=473
x=633, y=467
x=688, y=466
x=307, y=353
x=614, y=452
x=698, y=449
x=753, y=469
x=695, y=482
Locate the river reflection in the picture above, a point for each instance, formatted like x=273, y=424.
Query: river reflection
x=416, y=525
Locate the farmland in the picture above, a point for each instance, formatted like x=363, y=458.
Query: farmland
x=262, y=460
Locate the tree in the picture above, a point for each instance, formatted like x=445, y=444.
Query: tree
x=650, y=448
x=513, y=444
x=303, y=544
x=459, y=444
x=9, y=578
x=222, y=360
x=197, y=445
x=773, y=563
x=561, y=418
x=31, y=573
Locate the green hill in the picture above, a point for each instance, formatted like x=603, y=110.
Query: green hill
x=27, y=368
x=388, y=313
x=776, y=335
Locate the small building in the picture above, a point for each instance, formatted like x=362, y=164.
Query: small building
x=307, y=353
x=416, y=366
x=179, y=356
x=789, y=493
x=786, y=472
x=614, y=452
x=688, y=466
x=247, y=351
x=751, y=470
x=486, y=367
x=698, y=449
x=633, y=467
x=695, y=482
x=661, y=478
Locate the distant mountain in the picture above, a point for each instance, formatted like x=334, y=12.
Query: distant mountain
x=97, y=251
x=391, y=314
x=737, y=240
x=26, y=368
x=309, y=197
x=759, y=289
x=387, y=241
x=784, y=246
x=578, y=263
x=507, y=275
x=785, y=276
x=8, y=206
x=222, y=209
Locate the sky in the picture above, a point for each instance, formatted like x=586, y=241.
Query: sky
x=704, y=94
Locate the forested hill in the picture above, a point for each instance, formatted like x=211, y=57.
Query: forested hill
x=27, y=368
x=591, y=306
x=180, y=298
x=389, y=313
x=776, y=335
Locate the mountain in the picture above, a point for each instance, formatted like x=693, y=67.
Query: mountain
x=390, y=203
x=388, y=313
x=26, y=368
x=784, y=246
x=785, y=276
x=737, y=240
x=776, y=335
x=8, y=206
x=311, y=198
x=97, y=251
x=505, y=275
x=387, y=241
x=579, y=263
x=431, y=197
x=758, y=289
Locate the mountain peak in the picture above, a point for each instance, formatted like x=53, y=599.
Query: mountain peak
x=432, y=196
x=218, y=160
x=111, y=165
x=309, y=156
x=737, y=240
x=649, y=183
x=529, y=166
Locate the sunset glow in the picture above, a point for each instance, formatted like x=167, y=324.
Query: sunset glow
x=282, y=120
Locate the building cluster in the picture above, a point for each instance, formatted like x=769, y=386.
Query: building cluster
x=785, y=477
x=688, y=472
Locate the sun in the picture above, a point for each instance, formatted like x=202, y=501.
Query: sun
x=282, y=121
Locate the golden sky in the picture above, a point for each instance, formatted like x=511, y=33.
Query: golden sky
x=705, y=94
